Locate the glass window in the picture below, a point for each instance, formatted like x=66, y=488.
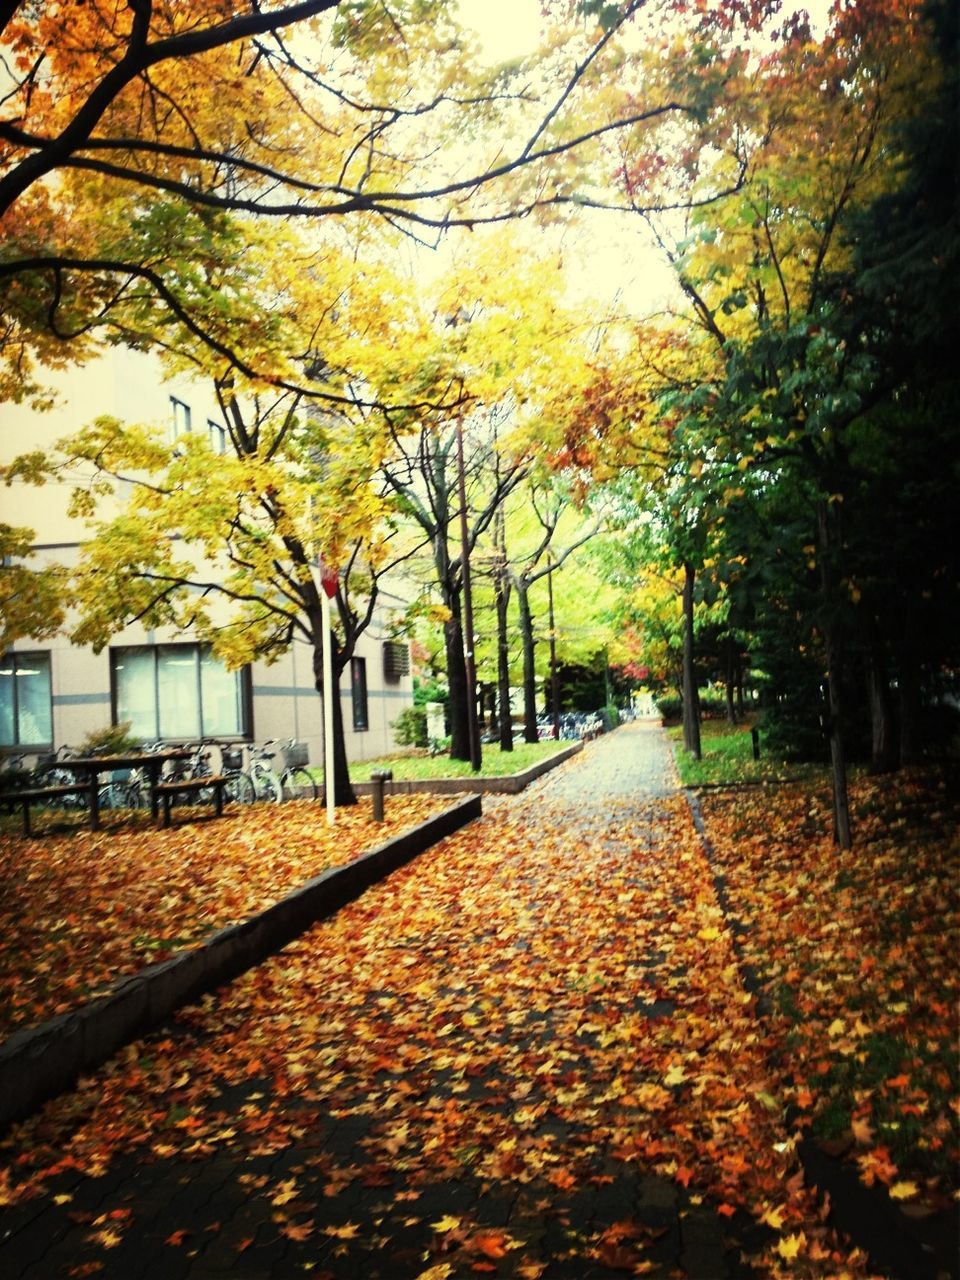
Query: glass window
x=179, y=418
x=221, y=697
x=358, y=689
x=217, y=436
x=177, y=691
x=26, y=715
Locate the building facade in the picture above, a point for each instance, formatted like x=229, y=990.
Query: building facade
x=166, y=685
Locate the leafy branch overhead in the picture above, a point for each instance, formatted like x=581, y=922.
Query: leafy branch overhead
x=224, y=116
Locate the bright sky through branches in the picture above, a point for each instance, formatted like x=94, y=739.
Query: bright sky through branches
x=507, y=28
x=607, y=257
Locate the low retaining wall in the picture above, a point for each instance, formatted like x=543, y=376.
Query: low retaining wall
x=506, y=783
x=41, y=1061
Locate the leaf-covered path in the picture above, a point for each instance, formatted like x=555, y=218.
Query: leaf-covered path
x=528, y=1054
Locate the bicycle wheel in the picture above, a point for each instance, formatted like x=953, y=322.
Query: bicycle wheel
x=267, y=786
x=133, y=796
x=238, y=789
x=298, y=783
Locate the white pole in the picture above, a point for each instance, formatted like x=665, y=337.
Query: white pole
x=327, y=706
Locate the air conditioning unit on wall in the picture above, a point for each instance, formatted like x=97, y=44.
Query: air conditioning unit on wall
x=396, y=660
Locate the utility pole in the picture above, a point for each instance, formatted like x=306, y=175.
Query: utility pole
x=473, y=724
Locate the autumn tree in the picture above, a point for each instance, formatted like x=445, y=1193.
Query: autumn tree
x=134, y=138
x=423, y=473
x=809, y=126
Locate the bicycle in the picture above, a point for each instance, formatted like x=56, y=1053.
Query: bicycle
x=293, y=780
x=266, y=782
x=54, y=771
x=296, y=780
x=239, y=788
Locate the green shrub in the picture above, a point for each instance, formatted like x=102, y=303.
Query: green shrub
x=712, y=706
x=410, y=727
x=114, y=740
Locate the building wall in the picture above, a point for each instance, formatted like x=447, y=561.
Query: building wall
x=285, y=704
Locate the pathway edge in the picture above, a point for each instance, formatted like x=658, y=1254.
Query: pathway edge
x=503, y=783
x=38, y=1062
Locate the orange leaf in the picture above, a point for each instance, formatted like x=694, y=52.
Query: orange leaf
x=490, y=1243
x=296, y=1232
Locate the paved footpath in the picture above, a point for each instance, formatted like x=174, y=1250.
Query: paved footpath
x=483, y=1066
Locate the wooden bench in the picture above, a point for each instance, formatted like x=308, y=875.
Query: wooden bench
x=28, y=795
x=165, y=791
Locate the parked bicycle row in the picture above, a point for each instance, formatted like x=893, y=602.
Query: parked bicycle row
x=574, y=725
x=271, y=771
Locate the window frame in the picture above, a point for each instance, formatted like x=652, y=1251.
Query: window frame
x=243, y=675
x=217, y=437
x=359, y=695
x=17, y=746
x=181, y=419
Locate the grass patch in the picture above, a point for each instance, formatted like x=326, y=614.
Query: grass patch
x=727, y=758
x=410, y=766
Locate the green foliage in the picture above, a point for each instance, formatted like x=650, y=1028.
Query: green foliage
x=712, y=705
x=31, y=599
x=496, y=763
x=112, y=740
x=429, y=690
x=727, y=758
x=410, y=727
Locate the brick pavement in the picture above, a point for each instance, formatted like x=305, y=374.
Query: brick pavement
x=433, y=1099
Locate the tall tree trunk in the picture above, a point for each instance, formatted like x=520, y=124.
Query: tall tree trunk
x=731, y=680
x=828, y=544
x=502, y=590
x=529, y=666
x=691, y=695
x=883, y=747
x=343, y=793
x=457, y=683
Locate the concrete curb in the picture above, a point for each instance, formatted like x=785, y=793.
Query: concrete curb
x=506, y=783
x=39, y=1062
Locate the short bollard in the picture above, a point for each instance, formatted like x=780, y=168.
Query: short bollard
x=378, y=779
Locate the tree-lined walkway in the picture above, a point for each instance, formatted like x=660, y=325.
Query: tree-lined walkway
x=527, y=1054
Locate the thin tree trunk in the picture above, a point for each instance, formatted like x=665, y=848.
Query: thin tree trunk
x=883, y=748
x=502, y=589
x=691, y=695
x=833, y=644
x=343, y=793
x=529, y=668
x=457, y=684
x=731, y=680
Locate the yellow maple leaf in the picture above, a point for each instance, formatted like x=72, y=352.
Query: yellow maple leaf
x=349, y=1231
x=790, y=1246
x=675, y=1075
x=438, y=1272
x=903, y=1190
x=773, y=1218
x=286, y=1191
x=446, y=1223
x=109, y=1239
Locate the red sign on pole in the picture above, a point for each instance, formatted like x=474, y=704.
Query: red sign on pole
x=328, y=579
